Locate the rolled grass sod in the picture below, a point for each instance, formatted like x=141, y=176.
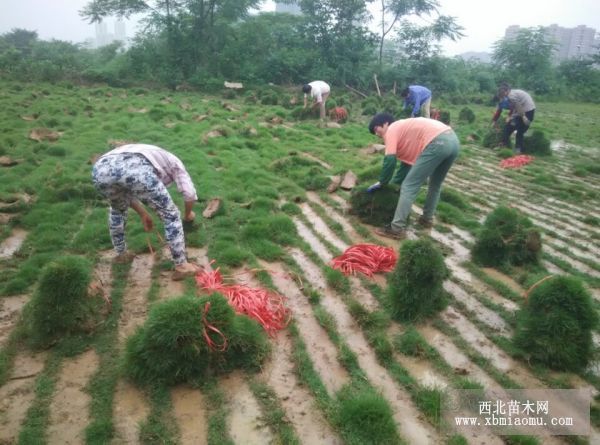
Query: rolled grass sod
x=555, y=325
x=187, y=338
x=416, y=285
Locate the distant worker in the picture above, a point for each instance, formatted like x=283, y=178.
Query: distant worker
x=319, y=91
x=133, y=174
x=430, y=148
x=521, y=110
x=419, y=98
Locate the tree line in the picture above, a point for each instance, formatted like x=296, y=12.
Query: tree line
x=201, y=43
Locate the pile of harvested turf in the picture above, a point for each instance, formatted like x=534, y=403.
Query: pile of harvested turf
x=507, y=238
x=555, y=325
x=374, y=208
x=187, y=338
x=63, y=304
x=416, y=285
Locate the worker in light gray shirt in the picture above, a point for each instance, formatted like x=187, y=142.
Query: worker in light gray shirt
x=520, y=115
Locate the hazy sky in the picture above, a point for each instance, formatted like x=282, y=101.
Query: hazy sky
x=484, y=20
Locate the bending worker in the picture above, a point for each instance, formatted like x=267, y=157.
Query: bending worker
x=419, y=98
x=134, y=174
x=520, y=115
x=319, y=91
x=430, y=147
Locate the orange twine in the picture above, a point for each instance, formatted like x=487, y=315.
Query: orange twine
x=536, y=284
x=208, y=327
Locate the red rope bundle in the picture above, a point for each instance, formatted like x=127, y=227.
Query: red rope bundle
x=516, y=161
x=207, y=327
x=265, y=307
x=365, y=258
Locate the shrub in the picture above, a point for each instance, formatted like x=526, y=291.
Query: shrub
x=537, y=143
x=374, y=208
x=466, y=115
x=555, y=325
x=171, y=348
x=61, y=305
x=416, y=284
x=507, y=238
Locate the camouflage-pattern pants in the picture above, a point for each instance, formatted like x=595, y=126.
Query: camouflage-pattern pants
x=122, y=178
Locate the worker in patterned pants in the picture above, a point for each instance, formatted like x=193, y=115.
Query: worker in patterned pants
x=128, y=179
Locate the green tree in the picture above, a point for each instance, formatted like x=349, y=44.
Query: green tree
x=526, y=59
x=194, y=31
x=283, y=56
x=419, y=41
x=336, y=30
x=580, y=80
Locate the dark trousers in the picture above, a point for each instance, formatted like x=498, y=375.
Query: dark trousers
x=516, y=123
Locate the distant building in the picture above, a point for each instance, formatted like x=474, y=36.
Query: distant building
x=103, y=37
x=101, y=34
x=290, y=8
x=572, y=43
x=120, y=34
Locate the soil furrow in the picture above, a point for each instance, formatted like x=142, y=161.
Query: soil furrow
x=296, y=400
x=12, y=244
x=491, y=191
x=485, y=315
x=244, y=420
x=135, y=299
x=405, y=413
x=321, y=228
x=17, y=394
x=573, y=261
x=315, y=244
x=190, y=415
x=69, y=409
x=333, y=214
x=322, y=351
x=10, y=311
x=130, y=404
x=130, y=407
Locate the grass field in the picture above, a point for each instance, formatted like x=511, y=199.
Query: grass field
x=343, y=371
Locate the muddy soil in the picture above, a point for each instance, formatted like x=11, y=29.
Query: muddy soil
x=13, y=243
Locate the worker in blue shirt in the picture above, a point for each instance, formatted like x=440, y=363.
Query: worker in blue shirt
x=419, y=97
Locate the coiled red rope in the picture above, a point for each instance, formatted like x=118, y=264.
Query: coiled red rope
x=263, y=306
x=207, y=327
x=365, y=258
x=516, y=161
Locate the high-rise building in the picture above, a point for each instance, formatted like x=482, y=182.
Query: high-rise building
x=290, y=8
x=103, y=37
x=101, y=34
x=571, y=43
x=120, y=30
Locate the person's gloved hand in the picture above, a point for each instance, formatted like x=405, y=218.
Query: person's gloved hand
x=525, y=120
x=373, y=188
